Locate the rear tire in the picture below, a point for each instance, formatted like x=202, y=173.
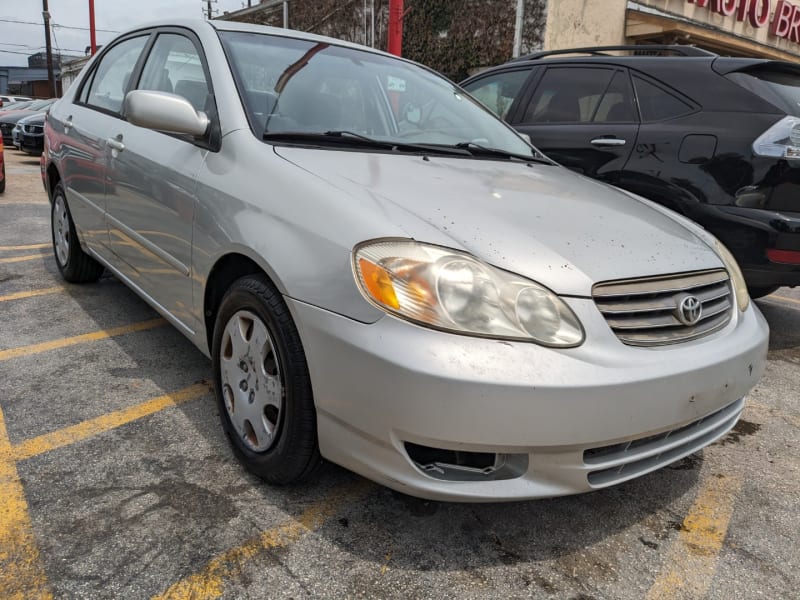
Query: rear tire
x=262, y=383
x=74, y=264
x=3, y=182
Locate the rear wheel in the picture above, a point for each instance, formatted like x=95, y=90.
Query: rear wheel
x=262, y=383
x=74, y=264
x=3, y=180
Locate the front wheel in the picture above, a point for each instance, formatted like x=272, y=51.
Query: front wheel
x=74, y=264
x=262, y=384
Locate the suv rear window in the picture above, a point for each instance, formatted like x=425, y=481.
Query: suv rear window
x=781, y=88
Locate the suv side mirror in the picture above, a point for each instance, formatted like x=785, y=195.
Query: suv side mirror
x=164, y=112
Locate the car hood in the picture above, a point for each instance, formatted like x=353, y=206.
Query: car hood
x=542, y=221
x=14, y=116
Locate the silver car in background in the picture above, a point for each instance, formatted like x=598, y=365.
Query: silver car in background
x=387, y=276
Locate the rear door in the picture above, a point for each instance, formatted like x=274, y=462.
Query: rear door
x=80, y=132
x=583, y=117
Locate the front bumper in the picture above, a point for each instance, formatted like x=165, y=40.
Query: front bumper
x=381, y=386
x=32, y=144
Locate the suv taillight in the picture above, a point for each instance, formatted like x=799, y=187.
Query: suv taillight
x=782, y=140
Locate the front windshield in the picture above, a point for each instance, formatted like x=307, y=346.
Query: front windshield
x=300, y=86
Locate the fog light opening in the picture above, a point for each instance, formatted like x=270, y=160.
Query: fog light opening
x=459, y=465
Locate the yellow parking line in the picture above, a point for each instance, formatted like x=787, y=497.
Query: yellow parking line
x=81, y=431
x=783, y=299
x=16, y=259
x=31, y=294
x=79, y=339
x=692, y=559
x=209, y=582
x=28, y=247
x=22, y=575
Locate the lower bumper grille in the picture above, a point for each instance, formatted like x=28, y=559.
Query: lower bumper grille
x=619, y=462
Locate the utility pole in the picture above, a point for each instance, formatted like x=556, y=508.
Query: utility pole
x=395, y=33
x=209, y=9
x=517, y=50
x=92, y=32
x=50, y=76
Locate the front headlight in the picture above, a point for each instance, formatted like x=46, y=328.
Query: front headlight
x=739, y=286
x=450, y=290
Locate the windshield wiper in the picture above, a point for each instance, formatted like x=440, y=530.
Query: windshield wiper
x=479, y=150
x=351, y=138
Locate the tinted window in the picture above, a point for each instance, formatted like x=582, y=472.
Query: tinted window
x=568, y=95
x=781, y=88
x=617, y=104
x=174, y=66
x=112, y=74
x=497, y=92
x=657, y=104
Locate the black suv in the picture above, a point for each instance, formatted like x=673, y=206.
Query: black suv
x=716, y=139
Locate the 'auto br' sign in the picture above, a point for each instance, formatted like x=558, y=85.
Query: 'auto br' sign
x=783, y=21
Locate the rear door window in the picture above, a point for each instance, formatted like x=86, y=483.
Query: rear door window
x=568, y=95
x=657, y=104
x=617, y=105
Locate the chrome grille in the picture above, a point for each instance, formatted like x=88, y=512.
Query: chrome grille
x=647, y=312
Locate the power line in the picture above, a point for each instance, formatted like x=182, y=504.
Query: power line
x=55, y=25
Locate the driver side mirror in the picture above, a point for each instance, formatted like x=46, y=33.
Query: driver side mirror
x=165, y=112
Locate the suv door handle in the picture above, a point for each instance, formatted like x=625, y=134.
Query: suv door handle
x=603, y=141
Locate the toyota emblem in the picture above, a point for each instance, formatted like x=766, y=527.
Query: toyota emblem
x=690, y=310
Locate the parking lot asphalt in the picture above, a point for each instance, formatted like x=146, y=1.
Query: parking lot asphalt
x=116, y=480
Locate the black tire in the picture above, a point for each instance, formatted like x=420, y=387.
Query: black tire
x=3, y=182
x=74, y=264
x=293, y=453
x=760, y=292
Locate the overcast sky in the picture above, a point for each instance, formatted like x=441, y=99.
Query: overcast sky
x=18, y=40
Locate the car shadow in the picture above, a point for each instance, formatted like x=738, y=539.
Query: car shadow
x=378, y=523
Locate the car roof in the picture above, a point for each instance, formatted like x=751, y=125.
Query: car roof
x=222, y=25
x=686, y=56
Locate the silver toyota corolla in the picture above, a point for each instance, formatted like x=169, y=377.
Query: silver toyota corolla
x=386, y=276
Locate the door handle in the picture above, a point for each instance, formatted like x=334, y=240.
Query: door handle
x=68, y=124
x=116, y=145
x=607, y=142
